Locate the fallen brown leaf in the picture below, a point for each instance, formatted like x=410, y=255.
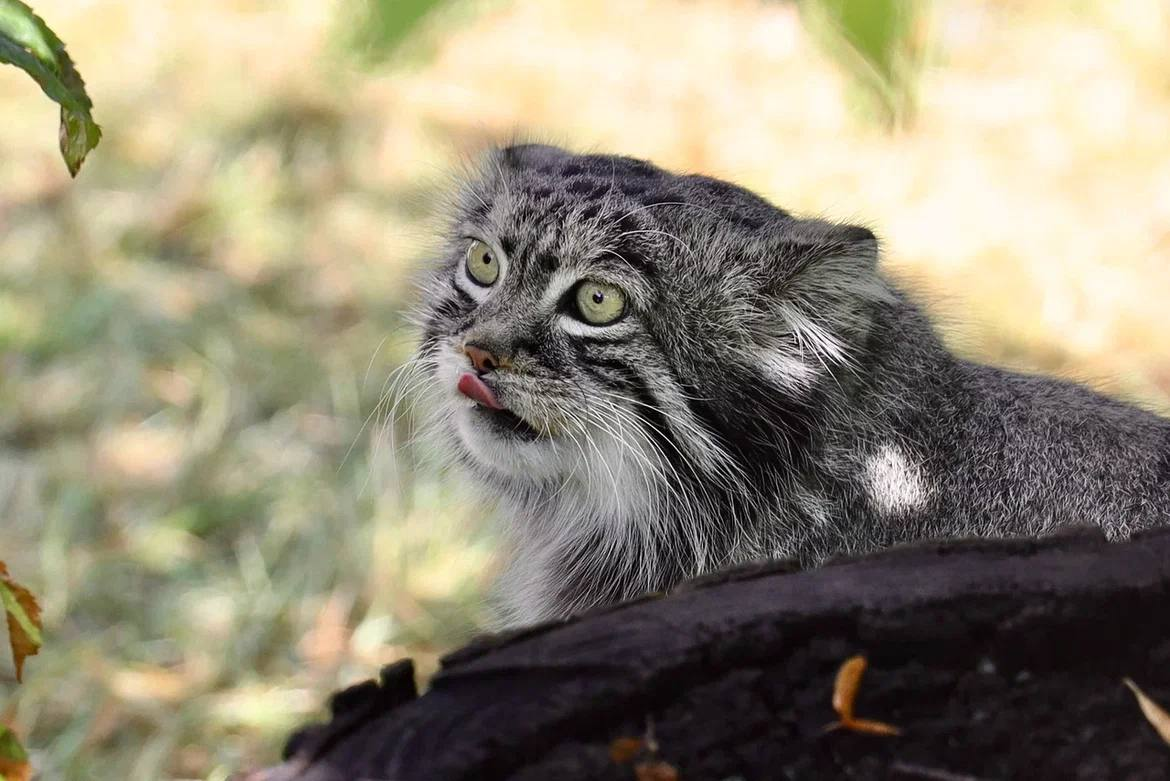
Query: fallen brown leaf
x=623, y=750
x=24, y=619
x=845, y=689
x=1154, y=713
x=655, y=771
x=871, y=727
x=846, y=686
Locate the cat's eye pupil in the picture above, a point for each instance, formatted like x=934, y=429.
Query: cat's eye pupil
x=481, y=264
x=599, y=303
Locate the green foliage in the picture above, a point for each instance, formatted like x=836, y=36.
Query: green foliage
x=28, y=43
x=384, y=25
x=13, y=758
x=880, y=44
x=10, y=747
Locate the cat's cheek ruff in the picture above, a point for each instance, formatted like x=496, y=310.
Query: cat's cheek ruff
x=613, y=495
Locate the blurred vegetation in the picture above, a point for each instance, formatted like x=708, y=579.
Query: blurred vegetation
x=384, y=24
x=880, y=44
x=199, y=472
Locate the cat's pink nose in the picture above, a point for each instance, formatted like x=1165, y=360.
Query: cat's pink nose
x=471, y=386
x=483, y=360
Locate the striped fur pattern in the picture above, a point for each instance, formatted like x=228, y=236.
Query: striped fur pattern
x=767, y=393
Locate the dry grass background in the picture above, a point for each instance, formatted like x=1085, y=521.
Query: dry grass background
x=194, y=332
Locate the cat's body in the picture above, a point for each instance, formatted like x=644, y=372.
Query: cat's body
x=761, y=392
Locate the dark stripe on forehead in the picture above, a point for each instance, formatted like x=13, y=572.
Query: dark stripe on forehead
x=629, y=256
x=477, y=209
x=588, y=188
x=548, y=262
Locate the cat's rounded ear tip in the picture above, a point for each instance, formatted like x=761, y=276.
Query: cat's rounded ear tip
x=858, y=234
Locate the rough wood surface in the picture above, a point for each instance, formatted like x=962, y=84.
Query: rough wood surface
x=997, y=660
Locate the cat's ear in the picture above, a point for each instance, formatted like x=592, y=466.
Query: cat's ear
x=822, y=253
x=823, y=292
x=532, y=156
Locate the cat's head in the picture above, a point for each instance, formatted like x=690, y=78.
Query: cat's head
x=595, y=314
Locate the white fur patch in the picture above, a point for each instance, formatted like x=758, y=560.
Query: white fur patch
x=895, y=484
x=787, y=371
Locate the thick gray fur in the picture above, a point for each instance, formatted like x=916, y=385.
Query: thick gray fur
x=769, y=392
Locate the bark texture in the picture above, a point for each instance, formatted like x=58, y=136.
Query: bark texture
x=997, y=660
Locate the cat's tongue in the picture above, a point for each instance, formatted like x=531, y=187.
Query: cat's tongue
x=474, y=388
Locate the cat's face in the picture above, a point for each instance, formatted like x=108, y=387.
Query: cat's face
x=597, y=317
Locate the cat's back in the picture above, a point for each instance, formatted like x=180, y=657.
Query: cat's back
x=1046, y=452
x=991, y=451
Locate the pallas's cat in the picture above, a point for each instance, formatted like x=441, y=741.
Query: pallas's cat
x=659, y=375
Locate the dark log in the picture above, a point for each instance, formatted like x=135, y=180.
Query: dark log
x=997, y=659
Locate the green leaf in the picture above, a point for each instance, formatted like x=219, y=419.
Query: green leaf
x=28, y=43
x=13, y=758
x=10, y=747
x=879, y=43
x=384, y=24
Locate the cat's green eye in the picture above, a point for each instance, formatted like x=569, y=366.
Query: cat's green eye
x=482, y=265
x=599, y=303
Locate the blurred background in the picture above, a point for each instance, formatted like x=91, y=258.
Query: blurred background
x=199, y=475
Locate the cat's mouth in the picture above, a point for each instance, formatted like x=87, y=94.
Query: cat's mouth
x=505, y=423
x=488, y=408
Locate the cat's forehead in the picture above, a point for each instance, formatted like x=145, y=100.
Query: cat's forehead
x=564, y=211
x=595, y=189
x=541, y=200
x=589, y=176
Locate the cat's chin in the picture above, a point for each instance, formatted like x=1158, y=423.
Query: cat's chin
x=505, y=424
x=504, y=443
